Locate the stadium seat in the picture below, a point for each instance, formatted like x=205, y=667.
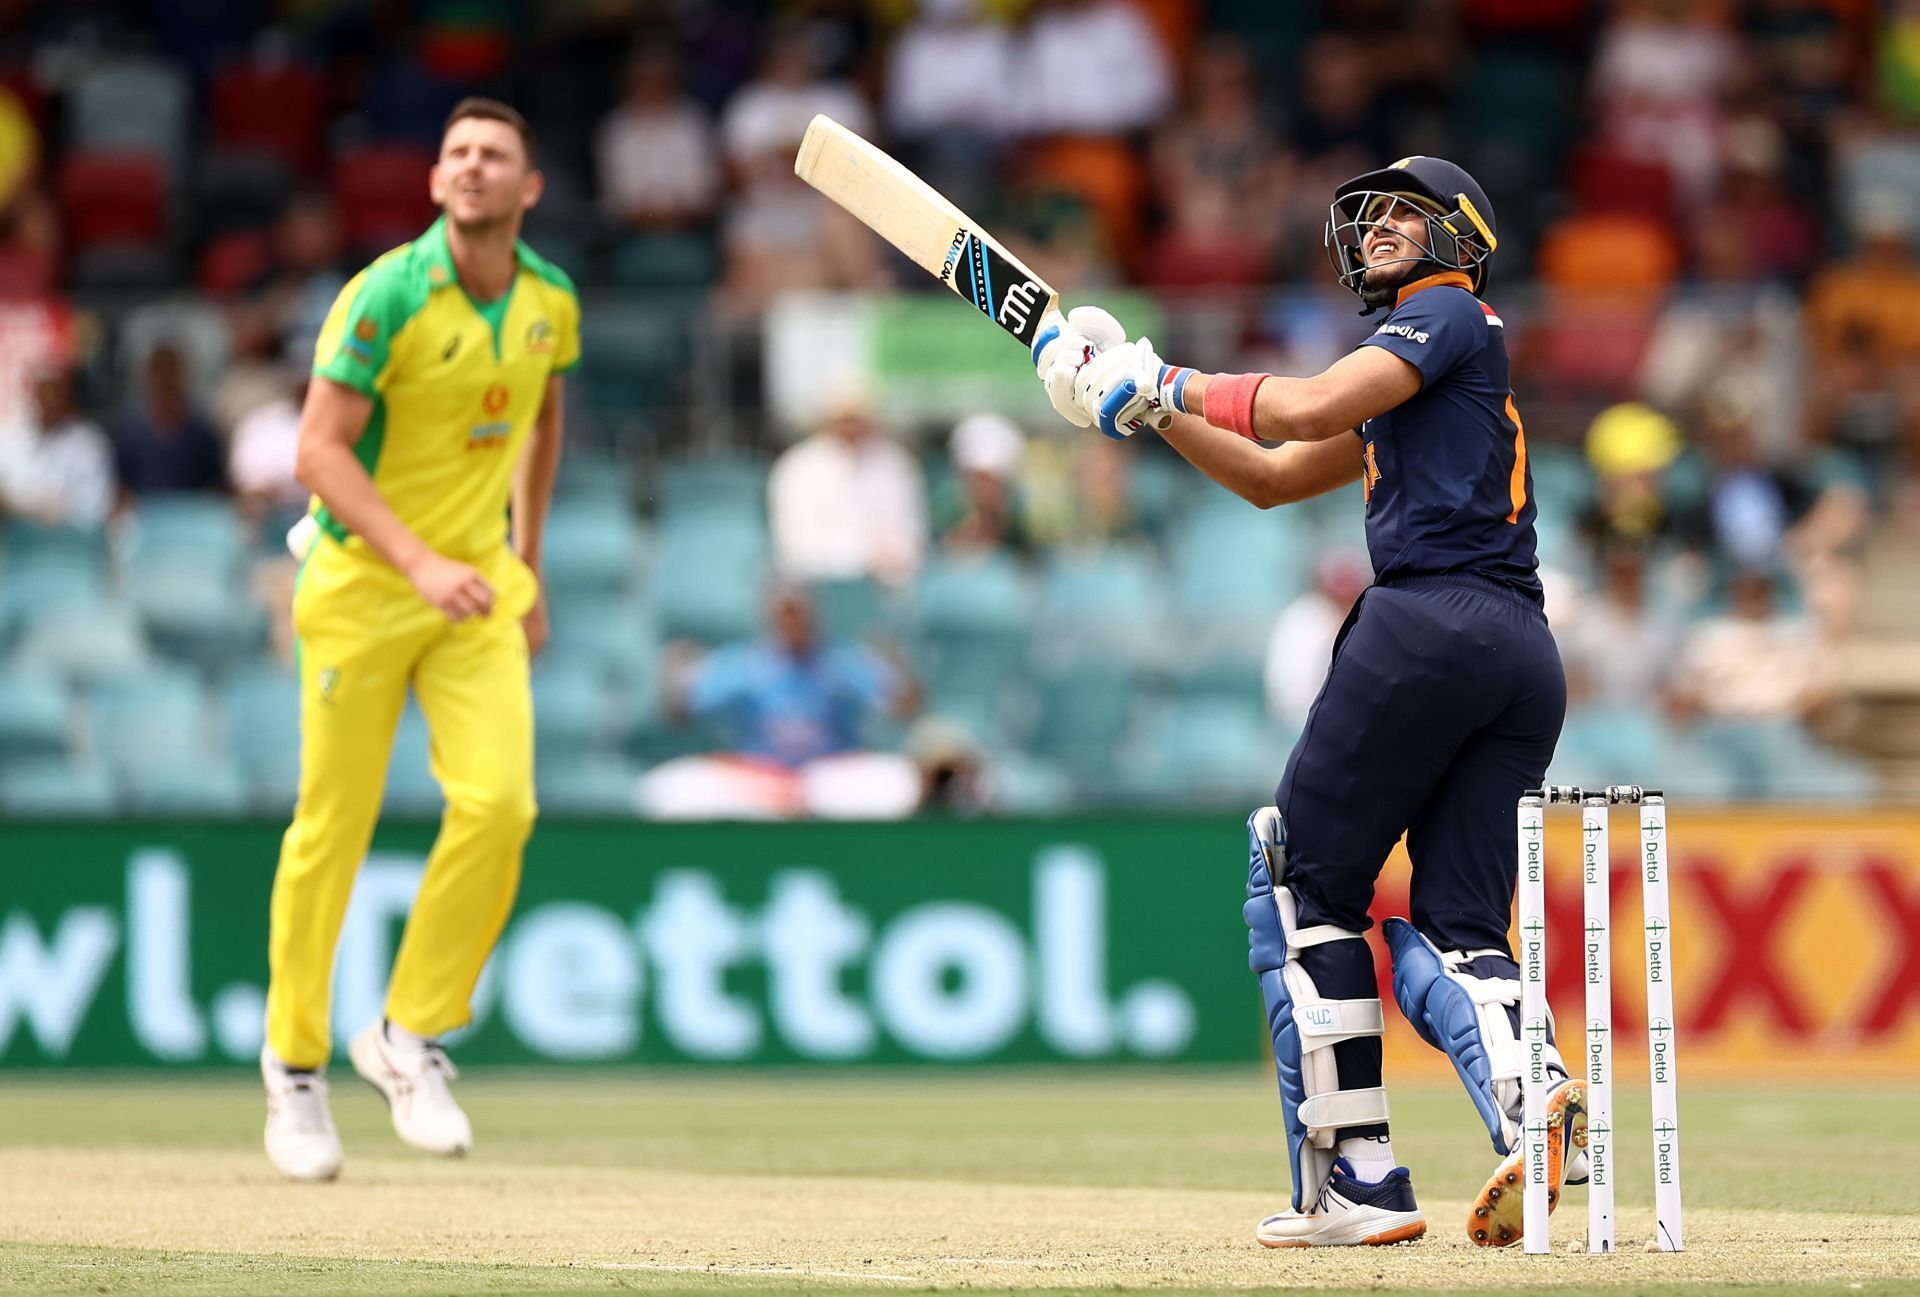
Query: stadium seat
x=708, y=582
x=113, y=201
x=699, y=484
x=593, y=785
x=613, y=634
x=206, y=787
x=262, y=706
x=200, y=528
x=1104, y=603
x=1233, y=568
x=634, y=360
x=594, y=476
x=21, y=541
x=971, y=621
x=854, y=609
x=1207, y=751
x=1086, y=713
x=570, y=710
x=156, y=718
x=411, y=789
x=57, y=789
x=34, y=585
x=85, y=642
x=383, y=200
x=135, y=105
x=33, y=717
x=240, y=193
x=664, y=261
x=276, y=110
x=1023, y=784
x=233, y=262
x=198, y=614
x=589, y=546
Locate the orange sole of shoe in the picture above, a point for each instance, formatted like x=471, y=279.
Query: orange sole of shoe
x=1404, y=1234
x=1500, y=1209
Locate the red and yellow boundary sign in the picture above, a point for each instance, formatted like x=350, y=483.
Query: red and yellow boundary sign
x=1796, y=939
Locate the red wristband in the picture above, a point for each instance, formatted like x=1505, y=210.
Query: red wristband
x=1228, y=402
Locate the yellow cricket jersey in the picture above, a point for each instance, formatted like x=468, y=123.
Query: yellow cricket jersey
x=455, y=385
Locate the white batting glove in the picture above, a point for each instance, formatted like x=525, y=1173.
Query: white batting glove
x=1120, y=390
x=1062, y=347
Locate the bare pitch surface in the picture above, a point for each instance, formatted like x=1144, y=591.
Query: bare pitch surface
x=1026, y=1182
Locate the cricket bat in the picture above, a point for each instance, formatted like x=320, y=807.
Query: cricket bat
x=911, y=215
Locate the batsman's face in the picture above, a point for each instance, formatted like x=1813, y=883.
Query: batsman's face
x=483, y=176
x=1398, y=234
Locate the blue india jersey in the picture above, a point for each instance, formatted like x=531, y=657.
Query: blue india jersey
x=1447, y=483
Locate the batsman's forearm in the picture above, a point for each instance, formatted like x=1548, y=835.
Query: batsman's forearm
x=1284, y=409
x=533, y=487
x=1229, y=459
x=334, y=473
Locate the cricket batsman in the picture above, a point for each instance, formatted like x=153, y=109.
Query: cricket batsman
x=1442, y=704
x=435, y=408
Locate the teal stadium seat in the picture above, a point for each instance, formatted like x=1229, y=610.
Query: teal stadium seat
x=1207, y=752
x=86, y=642
x=613, y=632
x=156, y=718
x=57, y=789
x=1233, y=568
x=698, y=484
x=971, y=621
x=210, y=787
x=1086, y=717
x=1636, y=744
x=202, y=530
x=33, y=718
x=571, y=710
x=592, y=786
x=34, y=583
x=856, y=609
x=589, y=546
x=709, y=578
x=665, y=261
x=1106, y=603
x=21, y=541
x=262, y=705
x=1023, y=784
x=635, y=357
x=197, y=611
x=592, y=476
x=411, y=789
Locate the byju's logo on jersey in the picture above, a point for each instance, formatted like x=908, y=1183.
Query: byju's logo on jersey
x=1406, y=331
x=492, y=434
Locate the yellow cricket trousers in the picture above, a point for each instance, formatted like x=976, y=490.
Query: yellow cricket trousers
x=365, y=636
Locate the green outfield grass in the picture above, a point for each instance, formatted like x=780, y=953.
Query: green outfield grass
x=1024, y=1181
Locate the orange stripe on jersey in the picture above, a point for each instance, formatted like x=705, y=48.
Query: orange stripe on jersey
x=1517, y=488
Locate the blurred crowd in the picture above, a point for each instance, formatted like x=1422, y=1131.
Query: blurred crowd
x=1707, y=268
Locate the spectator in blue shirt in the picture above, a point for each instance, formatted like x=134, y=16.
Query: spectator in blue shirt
x=791, y=706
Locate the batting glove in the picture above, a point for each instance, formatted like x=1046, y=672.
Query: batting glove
x=1126, y=388
x=1062, y=348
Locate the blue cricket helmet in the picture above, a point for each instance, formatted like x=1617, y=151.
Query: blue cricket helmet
x=1461, y=233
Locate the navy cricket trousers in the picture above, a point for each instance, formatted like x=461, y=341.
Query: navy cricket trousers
x=1442, y=705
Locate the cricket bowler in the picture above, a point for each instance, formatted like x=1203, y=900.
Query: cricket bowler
x=435, y=406
x=1443, y=701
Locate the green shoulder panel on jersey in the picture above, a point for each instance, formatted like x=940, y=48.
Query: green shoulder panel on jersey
x=558, y=280
x=356, y=343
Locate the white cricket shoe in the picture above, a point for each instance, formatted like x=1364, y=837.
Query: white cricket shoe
x=301, y=1141
x=1350, y=1213
x=414, y=1081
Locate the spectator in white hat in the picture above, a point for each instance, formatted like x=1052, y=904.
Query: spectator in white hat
x=983, y=511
